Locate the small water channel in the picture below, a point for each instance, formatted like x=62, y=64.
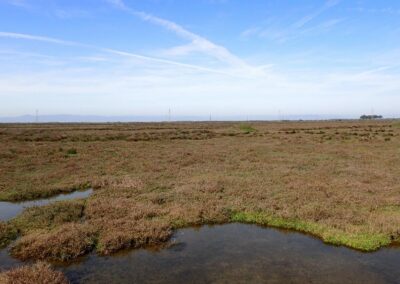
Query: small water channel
x=9, y=210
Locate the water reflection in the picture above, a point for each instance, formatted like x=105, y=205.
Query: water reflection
x=238, y=253
x=9, y=210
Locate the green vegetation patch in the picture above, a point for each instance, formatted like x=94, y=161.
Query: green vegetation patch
x=72, y=152
x=247, y=128
x=390, y=209
x=360, y=241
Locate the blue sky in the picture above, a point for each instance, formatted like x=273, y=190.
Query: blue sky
x=200, y=57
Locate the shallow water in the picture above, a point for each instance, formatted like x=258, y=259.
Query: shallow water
x=238, y=253
x=9, y=210
x=6, y=261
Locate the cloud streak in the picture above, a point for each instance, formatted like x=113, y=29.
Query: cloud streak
x=197, y=42
x=18, y=3
x=298, y=28
x=38, y=38
x=303, y=21
x=111, y=51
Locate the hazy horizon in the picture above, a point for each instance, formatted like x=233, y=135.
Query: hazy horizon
x=220, y=57
x=68, y=118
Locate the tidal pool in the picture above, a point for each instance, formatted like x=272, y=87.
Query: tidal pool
x=9, y=210
x=239, y=253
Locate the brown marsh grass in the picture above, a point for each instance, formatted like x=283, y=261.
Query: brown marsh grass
x=338, y=180
x=39, y=273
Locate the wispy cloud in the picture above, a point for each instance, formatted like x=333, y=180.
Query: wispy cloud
x=308, y=18
x=38, y=38
x=111, y=51
x=197, y=44
x=71, y=13
x=25, y=54
x=18, y=3
x=387, y=10
x=92, y=78
x=137, y=90
x=319, y=28
x=165, y=61
x=299, y=28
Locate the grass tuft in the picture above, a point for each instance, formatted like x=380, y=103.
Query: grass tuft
x=38, y=273
x=247, y=128
x=49, y=216
x=64, y=243
x=72, y=152
x=8, y=233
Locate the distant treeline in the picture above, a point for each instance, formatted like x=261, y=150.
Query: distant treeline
x=371, y=116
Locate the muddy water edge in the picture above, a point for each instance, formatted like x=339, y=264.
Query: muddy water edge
x=240, y=253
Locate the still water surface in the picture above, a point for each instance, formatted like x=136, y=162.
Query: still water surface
x=239, y=253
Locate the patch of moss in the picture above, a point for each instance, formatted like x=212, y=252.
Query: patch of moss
x=360, y=241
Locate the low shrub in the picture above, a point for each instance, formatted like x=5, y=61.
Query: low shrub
x=49, y=216
x=61, y=244
x=38, y=273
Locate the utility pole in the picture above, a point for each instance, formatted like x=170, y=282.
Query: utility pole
x=210, y=116
x=169, y=114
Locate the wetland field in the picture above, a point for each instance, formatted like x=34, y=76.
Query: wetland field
x=200, y=202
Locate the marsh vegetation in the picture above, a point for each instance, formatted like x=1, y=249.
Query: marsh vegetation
x=337, y=180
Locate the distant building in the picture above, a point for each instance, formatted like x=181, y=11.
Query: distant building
x=364, y=116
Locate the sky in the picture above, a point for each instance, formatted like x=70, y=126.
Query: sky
x=200, y=57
